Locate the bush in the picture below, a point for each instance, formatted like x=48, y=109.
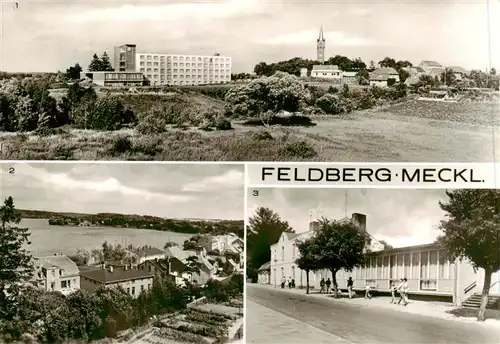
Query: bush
x=223, y=124
x=330, y=104
x=122, y=145
x=299, y=149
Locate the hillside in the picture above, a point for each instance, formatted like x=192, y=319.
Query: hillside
x=208, y=226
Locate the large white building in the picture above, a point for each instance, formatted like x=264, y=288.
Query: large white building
x=171, y=69
x=428, y=269
x=56, y=273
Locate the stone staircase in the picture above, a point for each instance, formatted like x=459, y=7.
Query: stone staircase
x=474, y=301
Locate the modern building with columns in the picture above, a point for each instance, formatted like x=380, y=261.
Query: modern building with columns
x=428, y=269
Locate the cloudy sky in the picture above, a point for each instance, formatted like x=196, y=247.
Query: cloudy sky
x=402, y=217
x=46, y=35
x=172, y=191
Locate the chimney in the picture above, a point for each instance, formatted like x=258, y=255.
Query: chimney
x=110, y=268
x=359, y=220
x=313, y=225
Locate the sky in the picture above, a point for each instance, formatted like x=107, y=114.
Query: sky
x=401, y=217
x=46, y=36
x=164, y=190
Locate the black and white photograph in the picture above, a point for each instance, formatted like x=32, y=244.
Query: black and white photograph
x=121, y=253
x=373, y=266
x=250, y=80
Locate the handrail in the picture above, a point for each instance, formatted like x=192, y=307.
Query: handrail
x=491, y=286
x=470, y=287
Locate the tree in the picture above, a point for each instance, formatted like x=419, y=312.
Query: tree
x=15, y=261
x=403, y=75
x=106, y=63
x=388, y=62
x=264, y=229
x=192, y=266
x=363, y=77
x=280, y=92
x=170, y=244
x=73, y=72
x=308, y=259
x=340, y=245
x=372, y=65
x=448, y=77
x=472, y=232
x=95, y=64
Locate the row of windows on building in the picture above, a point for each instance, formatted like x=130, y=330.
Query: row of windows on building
x=416, y=265
x=169, y=77
x=122, y=76
x=181, y=64
x=205, y=71
x=132, y=290
x=67, y=283
x=184, y=58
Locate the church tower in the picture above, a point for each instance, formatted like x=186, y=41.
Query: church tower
x=320, y=46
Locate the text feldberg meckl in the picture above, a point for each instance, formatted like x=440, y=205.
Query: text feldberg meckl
x=367, y=174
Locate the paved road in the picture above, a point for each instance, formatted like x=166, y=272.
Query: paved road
x=354, y=323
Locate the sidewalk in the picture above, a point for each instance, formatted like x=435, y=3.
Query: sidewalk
x=267, y=326
x=426, y=308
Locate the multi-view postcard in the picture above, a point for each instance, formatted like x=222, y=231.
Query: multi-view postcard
x=116, y=253
x=246, y=80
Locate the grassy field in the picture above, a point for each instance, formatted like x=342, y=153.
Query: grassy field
x=412, y=131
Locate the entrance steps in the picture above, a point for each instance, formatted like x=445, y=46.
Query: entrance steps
x=474, y=301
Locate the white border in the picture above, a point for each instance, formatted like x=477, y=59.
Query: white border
x=245, y=222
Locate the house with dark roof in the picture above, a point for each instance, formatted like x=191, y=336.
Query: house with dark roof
x=383, y=77
x=432, y=68
x=56, y=273
x=159, y=267
x=329, y=72
x=139, y=255
x=264, y=274
x=133, y=281
x=179, y=259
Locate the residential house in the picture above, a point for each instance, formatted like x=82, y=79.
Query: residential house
x=56, y=273
x=328, y=72
x=459, y=72
x=264, y=274
x=350, y=78
x=131, y=280
x=159, y=267
x=229, y=242
x=429, y=270
x=384, y=77
x=145, y=253
x=179, y=258
x=303, y=72
x=432, y=68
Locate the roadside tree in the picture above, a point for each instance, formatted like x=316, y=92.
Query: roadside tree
x=339, y=245
x=472, y=232
x=308, y=258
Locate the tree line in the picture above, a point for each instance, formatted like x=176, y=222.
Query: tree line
x=470, y=232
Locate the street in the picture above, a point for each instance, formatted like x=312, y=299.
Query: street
x=349, y=323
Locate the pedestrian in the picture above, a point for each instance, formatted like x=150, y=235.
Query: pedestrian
x=393, y=292
x=328, y=284
x=368, y=293
x=283, y=281
x=293, y=283
x=289, y=283
x=403, y=292
x=350, y=284
x=322, y=286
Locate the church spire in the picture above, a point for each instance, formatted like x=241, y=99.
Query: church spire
x=320, y=46
x=321, y=38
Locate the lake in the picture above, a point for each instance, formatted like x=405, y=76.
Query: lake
x=47, y=240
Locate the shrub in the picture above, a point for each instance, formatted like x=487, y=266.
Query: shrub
x=223, y=124
x=330, y=104
x=263, y=135
x=299, y=149
x=122, y=145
